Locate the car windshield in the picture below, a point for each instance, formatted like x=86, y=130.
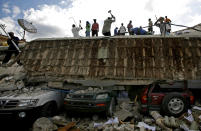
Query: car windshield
x=172, y=85
x=166, y=87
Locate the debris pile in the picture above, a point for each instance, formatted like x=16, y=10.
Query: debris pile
x=88, y=90
x=10, y=86
x=128, y=118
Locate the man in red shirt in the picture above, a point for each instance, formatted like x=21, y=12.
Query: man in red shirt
x=95, y=28
x=130, y=26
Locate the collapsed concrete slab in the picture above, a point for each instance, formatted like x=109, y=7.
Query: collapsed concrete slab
x=121, y=60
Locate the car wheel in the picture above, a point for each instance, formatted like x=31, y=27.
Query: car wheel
x=49, y=109
x=174, y=104
x=111, y=108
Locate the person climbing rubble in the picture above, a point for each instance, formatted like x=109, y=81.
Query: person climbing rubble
x=11, y=49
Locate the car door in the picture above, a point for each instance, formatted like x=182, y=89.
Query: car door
x=155, y=96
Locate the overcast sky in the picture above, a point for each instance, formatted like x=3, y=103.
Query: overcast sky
x=54, y=18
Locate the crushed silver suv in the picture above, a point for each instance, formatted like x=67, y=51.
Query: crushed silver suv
x=20, y=102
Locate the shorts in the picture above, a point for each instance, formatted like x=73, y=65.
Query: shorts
x=107, y=34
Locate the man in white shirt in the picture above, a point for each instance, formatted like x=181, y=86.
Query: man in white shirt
x=122, y=29
x=75, y=31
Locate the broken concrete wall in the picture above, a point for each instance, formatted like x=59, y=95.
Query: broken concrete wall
x=121, y=59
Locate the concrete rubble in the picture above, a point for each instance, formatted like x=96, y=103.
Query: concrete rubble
x=12, y=81
x=9, y=86
x=44, y=124
x=189, y=121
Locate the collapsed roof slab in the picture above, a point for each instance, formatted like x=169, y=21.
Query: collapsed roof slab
x=122, y=60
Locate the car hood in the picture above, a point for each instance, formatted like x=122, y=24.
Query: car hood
x=89, y=91
x=25, y=93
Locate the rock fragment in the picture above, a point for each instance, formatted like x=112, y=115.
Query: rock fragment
x=44, y=124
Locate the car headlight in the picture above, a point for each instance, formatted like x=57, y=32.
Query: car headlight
x=27, y=102
x=68, y=96
x=102, y=96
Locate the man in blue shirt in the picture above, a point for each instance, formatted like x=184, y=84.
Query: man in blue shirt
x=116, y=31
x=138, y=31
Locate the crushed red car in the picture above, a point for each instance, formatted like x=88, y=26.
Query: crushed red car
x=170, y=98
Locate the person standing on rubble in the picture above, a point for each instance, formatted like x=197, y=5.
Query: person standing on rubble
x=75, y=30
x=116, y=31
x=11, y=49
x=129, y=27
x=150, y=26
x=122, y=29
x=88, y=26
x=168, y=25
x=107, y=26
x=95, y=28
x=167, y=20
x=161, y=24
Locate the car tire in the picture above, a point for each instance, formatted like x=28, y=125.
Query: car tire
x=174, y=104
x=111, y=108
x=49, y=109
